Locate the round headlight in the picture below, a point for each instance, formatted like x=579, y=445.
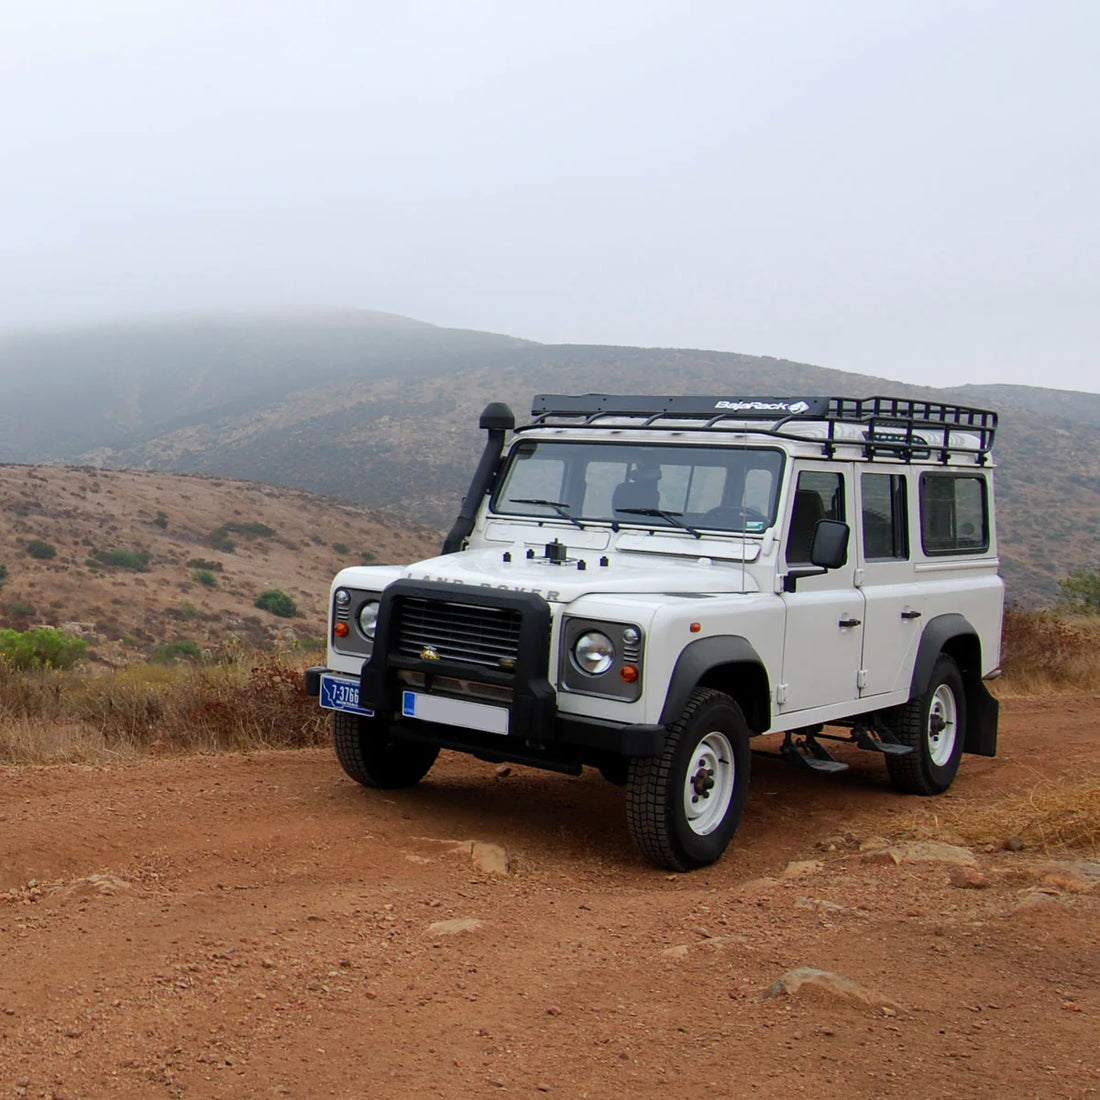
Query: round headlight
x=594, y=653
x=368, y=619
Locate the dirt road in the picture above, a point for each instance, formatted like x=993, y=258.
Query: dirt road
x=261, y=926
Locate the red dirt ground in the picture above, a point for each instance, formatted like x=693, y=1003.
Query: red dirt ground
x=261, y=926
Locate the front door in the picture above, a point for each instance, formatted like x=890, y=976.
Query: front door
x=823, y=639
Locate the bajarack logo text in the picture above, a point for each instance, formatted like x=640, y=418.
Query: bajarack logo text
x=794, y=407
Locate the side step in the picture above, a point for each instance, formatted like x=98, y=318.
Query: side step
x=885, y=743
x=808, y=752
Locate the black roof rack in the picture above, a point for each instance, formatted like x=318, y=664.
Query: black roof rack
x=892, y=426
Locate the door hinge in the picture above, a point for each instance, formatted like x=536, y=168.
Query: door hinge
x=861, y=679
x=780, y=694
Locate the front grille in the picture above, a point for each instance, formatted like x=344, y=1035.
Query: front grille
x=487, y=636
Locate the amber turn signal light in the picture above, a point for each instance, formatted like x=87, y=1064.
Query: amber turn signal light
x=629, y=673
x=340, y=630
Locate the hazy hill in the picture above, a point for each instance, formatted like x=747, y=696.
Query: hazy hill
x=382, y=411
x=285, y=539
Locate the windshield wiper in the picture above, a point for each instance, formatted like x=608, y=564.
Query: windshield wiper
x=675, y=518
x=561, y=508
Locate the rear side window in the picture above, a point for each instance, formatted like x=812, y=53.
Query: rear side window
x=954, y=514
x=885, y=516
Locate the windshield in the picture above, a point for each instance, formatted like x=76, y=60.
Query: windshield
x=652, y=484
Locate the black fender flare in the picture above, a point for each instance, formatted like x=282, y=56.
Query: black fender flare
x=700, y=657
x=981, y=707
x=937, y=633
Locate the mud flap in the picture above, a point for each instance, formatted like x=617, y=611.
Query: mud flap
x=982, y=712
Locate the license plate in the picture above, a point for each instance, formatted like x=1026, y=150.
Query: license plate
x=342, y=693
x=454, y=712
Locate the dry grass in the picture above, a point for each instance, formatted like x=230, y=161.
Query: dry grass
x=233, y=702
x=238, y=701
x=1052, y=816
x=1045, y=653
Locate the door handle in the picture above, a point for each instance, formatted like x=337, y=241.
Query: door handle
x=910, y=614
x=849, y=622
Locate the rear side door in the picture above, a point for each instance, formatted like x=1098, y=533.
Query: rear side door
x=823, y=637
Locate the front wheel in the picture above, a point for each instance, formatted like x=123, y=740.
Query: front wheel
x=371, y=757
x=933, y=725
x=683, y=806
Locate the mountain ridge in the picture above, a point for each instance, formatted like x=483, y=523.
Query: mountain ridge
x=382, y=411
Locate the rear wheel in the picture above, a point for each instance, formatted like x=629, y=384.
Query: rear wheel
x=933, y=725
x=684, y=805
x=371, y=757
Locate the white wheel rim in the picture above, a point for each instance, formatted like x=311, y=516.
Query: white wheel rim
x=943, y=719
x=708, y=786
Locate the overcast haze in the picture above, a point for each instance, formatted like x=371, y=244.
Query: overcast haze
x=901, y=188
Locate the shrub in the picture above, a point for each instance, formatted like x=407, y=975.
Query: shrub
x=23, y=610
x=277, y=602
x=41, y=648
x=170, y=652
x=202, y=563
x=40, y=549
x=138, y=560
x=367, y=556
x=162, y=520
x=1080, y=592
x=204, y=577
x=341, y=548
x=219, y=539
x=3, y=574
x=250, y=530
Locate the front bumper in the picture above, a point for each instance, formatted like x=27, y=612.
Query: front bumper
x=564, y=743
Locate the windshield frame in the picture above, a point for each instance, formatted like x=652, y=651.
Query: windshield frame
x=577, y=498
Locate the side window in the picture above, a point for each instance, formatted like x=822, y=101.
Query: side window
x=818, y=495
x=954, y=514
x=885, y=516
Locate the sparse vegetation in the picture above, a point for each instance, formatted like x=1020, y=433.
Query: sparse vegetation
x=230, y=701
x=203, y=563
x=162, y=520
x=41, y=550
x=3, y=574
x=1044, y=651
x=1051, y=815
x=368, y=556
x=277, y=602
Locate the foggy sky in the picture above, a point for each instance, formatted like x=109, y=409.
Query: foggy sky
x=905, y=188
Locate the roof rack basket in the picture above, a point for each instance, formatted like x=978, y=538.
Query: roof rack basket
x=887, y=426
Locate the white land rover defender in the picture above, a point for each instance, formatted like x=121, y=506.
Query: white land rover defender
x=645, y=584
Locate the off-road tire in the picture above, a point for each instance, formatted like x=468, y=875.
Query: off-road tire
x=668, y=811
x=930, y=768
x=371, y=757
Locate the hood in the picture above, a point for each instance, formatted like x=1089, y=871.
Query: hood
x=563, y=582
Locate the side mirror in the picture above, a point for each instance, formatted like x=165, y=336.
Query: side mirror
x=829, y=548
